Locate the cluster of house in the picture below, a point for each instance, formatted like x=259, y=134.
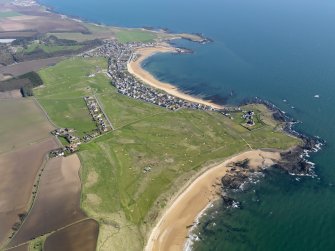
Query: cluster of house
x=73, y=141
x=89, y=136
x=98, y=116
x=126, y=84
x=248, y=116
x=102, y=122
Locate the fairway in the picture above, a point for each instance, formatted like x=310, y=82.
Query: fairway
x=66, y=84
x=131, y=173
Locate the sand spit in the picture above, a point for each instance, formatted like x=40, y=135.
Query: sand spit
x=171, y=232
x=135, y=68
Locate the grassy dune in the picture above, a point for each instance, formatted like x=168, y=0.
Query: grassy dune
x=117, y=191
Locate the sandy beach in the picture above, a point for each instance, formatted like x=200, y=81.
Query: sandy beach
x=135, y=68
x=171, y=231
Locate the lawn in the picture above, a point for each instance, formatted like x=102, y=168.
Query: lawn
x=117, y=190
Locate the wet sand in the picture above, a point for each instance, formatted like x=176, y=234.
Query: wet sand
x=135, y=68
x=171, y=232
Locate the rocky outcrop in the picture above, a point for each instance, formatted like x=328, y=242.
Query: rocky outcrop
x=233, y=180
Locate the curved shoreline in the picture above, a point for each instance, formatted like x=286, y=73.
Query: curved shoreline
x=135, y=68
x=206, y=188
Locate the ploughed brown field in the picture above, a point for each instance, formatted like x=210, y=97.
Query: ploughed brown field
x=20, y=34
x=37, y=20
x=41, y=24
x=58, y=200
x=28, y=66
x=22, y=123
x=81, y=236
x=18, y=170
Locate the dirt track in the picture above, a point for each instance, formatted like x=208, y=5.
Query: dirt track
x=21, y=248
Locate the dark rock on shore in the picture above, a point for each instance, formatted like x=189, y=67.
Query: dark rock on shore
x=233, y=181
x=293, y=161
x=229, y=202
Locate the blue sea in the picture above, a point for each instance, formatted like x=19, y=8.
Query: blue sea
x=274, y=49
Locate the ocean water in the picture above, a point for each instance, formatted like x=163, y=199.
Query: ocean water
x=274, y=49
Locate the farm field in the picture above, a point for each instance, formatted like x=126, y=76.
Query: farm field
x=24, y=116
x=123, y=35
x=131, y=173
x=21, y=248
x=50, y=48
x=37, y=20
x=81, y=236
x=26, y=141
x=57, y=203
x=18, y=169
x=28, y=66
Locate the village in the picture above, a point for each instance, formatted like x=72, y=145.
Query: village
x=118, y=57
x=98, y=116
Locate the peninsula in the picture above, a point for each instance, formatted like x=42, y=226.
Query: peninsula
x=108, y=157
